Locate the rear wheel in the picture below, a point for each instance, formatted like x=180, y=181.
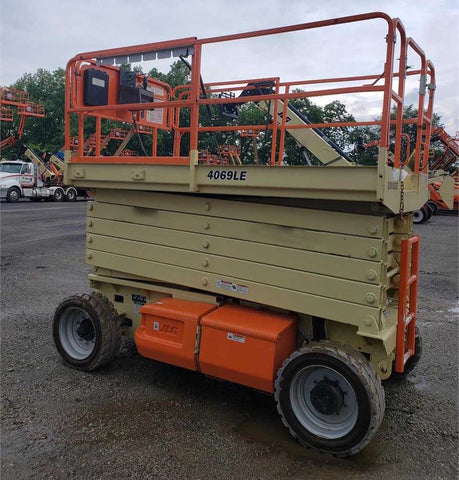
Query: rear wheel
x=330, y=398
x=58, y=195
x=87, y=331
x=71, y=195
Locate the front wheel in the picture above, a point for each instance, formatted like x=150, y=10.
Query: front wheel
x=13, y=195
x=330, y=398
x=87, y=331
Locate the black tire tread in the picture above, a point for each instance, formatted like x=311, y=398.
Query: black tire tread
x=367, y=374
x=55, y=199
x=110, y=326
x=8, y=198
x=66, y=197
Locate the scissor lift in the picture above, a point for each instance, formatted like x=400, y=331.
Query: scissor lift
x=288, y=279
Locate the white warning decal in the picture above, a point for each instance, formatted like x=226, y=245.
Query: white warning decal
x=235, y=338
x=232, y=287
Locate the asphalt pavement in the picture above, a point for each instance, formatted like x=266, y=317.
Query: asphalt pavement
x=140, y=419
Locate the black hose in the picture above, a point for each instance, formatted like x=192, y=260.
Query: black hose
x=203, y=88
x=134, y=121
x=204, y=93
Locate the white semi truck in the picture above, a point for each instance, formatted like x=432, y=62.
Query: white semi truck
x=19, y=179
x=36, y=179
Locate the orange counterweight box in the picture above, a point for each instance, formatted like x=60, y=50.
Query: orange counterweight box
x=245, y=345
x=169, y=329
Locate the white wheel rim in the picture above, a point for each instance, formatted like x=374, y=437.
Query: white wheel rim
x=418, y=215
x=339, y=398
x=77, y=333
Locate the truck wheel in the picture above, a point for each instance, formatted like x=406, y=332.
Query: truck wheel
x=87, y=331
x=71, y=195
x=330, y=398
x=58, y=195
x=13, y=195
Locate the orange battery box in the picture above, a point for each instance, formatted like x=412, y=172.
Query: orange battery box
x=168, y=330
x=245, y=345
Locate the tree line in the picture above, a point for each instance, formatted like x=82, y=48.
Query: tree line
x=47, y=134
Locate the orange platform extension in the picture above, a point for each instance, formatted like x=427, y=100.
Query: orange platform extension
x=168, y=331
x=245, y=345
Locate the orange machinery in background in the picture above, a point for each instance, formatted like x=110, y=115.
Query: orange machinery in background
x=19, y=99
x=118, y=134
x=445, y=162
x=451, y=153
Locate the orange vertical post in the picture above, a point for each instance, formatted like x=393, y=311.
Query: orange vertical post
x=282, y=129
x=195, y=86
x=80, y=134
x=408, y=288
x=401, y=88
x=98, y=131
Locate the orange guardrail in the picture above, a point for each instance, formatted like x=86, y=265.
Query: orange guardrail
x=163, y=113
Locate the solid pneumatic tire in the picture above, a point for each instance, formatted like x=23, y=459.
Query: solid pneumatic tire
x=87, y=331
x=419, y=216
x=330, y=398
x=429, y=210
x=13, y=195
x=433, y=206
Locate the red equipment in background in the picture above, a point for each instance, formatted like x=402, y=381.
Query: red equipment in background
x=445, y=162
x=451, y=153
x=12, y=97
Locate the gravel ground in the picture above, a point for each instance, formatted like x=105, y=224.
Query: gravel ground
x=141, y=419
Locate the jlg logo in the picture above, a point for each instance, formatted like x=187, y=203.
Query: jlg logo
x=165, y=328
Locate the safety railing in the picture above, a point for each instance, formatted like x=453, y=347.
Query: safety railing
x=6, y=114
x=13, y=96
x=196, y=95
x=31, y=109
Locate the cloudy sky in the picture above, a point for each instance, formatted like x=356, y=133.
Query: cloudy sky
x=46, y=33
